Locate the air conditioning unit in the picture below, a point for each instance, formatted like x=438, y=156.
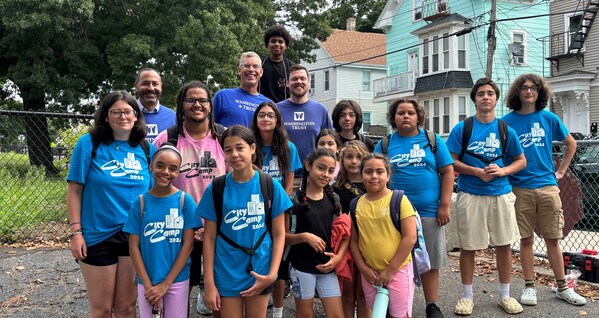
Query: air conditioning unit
x=442, y=7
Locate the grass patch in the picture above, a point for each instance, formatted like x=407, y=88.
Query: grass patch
x=14, y=162
x=31, y=201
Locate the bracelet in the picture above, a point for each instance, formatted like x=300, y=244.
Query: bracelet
x=73, y=223
x=76, y=232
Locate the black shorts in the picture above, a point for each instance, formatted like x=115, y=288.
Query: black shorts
x=268, y=290
x=108, y=251
x=284, y=270
x=195, y=268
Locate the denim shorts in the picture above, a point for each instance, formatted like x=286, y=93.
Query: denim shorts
x=304, y=284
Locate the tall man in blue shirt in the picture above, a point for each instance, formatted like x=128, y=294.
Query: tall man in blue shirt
x=485, y=204
x=535, y=187
x=148, y=87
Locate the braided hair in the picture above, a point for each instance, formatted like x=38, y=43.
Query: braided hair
x=328, y=190
x=180, y=104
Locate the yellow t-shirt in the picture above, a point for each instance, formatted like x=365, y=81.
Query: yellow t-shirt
x=379, y=239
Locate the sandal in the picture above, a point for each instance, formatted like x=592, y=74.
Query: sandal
x=511, y=306
x=464, y=307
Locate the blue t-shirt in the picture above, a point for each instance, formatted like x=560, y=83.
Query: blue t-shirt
x=158, y=121
x=161, y=232
x=270, y=163
x=411, y=159
x=485, y=141
x=303, y=123
x=234, y=106
x=536, y=132
x=111, y=180
x=243, y=222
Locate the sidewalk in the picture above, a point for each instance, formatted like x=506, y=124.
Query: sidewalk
x=48, y=283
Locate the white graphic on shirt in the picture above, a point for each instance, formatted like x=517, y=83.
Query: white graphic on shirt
x=242, y=218
x=534, y=137
x=488, y=148
x=171, y=228
x=152, y=130
x=130, y=166
x=415, y=157
x=298, y=116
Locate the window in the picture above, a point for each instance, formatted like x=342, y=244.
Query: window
x=427, y=111
x=516, y=48
x=417, y=10
x=572, y=22
x=326, y=81
x=446, y=115
x=435, y=53
x=462, y=51
x=436, y=115
x=445, y=51
x=425, y=44
x=312, y=83
x=366, y=81
x=366, y=122
x=462, y=108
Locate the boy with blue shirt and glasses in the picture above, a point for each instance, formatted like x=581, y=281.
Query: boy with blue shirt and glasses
x=535, y=187
x=485, y=203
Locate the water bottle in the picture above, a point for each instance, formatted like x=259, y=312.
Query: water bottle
x=381, y=302
x=155, y=313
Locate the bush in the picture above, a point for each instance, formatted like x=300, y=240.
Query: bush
x=13, y=161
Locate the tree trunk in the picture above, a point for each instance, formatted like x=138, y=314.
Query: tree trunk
x=38, y=140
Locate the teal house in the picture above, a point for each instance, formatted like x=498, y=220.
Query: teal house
x=438, y=48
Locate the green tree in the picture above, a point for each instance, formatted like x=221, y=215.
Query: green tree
x=365, y=11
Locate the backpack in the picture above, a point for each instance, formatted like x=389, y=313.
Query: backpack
x=430, y=137
x=145, y=146
x=294, y=211
x=467, y=133
x=141, y=205
x=420, y=258
x=267, y=189
x=173, y=133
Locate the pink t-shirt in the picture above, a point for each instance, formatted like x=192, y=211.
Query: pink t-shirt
x=203, y=160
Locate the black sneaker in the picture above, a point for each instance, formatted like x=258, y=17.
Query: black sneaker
x=433, y=311
x=287, y=288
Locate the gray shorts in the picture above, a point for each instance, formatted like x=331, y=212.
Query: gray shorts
x=434, y=236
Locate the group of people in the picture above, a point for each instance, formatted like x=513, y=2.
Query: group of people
x=241, y=192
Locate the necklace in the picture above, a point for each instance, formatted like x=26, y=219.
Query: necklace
x=117, y=144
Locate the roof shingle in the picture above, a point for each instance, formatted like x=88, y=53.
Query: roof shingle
x=350, y=46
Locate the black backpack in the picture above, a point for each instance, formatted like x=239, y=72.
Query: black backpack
x=145, y=146
x=430, y=137
x=467, y=133
x=267, y=189
x=173, y=133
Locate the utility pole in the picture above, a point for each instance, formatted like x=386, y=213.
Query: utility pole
x=491, y=39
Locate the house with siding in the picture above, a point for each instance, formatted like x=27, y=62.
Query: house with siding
x=574, y=62
x=437, y=49
x=346, y=64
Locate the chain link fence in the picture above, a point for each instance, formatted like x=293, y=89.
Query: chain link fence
x=35, y=149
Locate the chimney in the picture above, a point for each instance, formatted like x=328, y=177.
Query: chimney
x=350, y=24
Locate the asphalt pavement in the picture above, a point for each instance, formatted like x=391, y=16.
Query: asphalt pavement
x=46, y=282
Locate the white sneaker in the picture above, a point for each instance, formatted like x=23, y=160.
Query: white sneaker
x=570, y=296
x=200, y=306
x=529, y=297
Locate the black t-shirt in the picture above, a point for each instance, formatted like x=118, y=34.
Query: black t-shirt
x=367, y=141
x=345, y=195
x=317, y=220
x=273, y=83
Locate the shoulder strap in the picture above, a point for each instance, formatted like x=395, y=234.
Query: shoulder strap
x=141, y=207
x=218, y=188
x=352, y=212
x=145, y=146
x=351, y=187
x=267, y=189
x=432, y=140
x=395, y=208
x=220, y=129
x=181, y=202
x=95, y=145
x=173, y=135
x=385, y=144
x=466, y=134
x=502, y=127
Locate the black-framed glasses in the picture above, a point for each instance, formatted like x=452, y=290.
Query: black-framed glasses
x=533, y=88
x=115, y=113
x=193, y=101
x=267, y=115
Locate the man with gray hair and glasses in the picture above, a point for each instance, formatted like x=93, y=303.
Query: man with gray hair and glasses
x=236, y=106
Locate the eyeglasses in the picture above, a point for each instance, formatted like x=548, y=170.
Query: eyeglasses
x=115, y=113
x=251, y=66
x=267, y=115
x=533, y=88
x=193, y=101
